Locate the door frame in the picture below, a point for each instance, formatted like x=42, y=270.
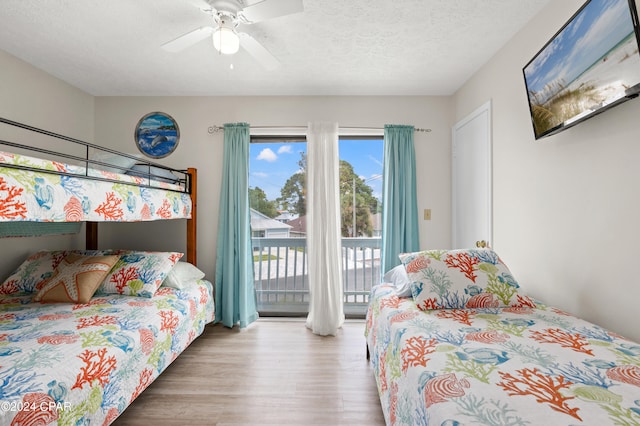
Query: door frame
x=481, y=113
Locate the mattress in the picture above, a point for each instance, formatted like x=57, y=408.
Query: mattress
x=498, y=366
x=84, y=364
x=72, y=195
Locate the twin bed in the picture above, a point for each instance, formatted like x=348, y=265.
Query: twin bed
x=454, y=341
x=84, y=332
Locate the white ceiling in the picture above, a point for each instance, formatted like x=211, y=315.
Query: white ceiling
x=335, y=47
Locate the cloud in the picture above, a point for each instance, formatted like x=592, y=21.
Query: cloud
x=267, y=155
x=285, y=149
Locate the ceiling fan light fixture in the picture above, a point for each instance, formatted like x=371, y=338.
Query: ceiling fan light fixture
x=226, y=41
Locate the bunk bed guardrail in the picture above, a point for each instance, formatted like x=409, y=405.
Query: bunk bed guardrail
x=147, y=171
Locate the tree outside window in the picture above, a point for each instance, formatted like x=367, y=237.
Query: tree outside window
x=278, y=183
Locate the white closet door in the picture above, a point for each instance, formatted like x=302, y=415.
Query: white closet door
x=472, y=179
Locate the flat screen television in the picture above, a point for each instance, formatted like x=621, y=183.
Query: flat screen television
x=590, y=65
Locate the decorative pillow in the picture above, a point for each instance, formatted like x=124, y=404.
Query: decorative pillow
x=76, y=278
x=398, y=277
x=456, y=279
x=138, y=273
x=181, y=274
x=36, y=270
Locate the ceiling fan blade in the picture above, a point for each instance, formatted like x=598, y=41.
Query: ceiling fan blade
x=188, y=39
x=259, y=52
x=268, y=9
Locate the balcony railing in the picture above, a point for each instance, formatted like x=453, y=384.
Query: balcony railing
x=281, y=274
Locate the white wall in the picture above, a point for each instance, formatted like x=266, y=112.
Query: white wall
x=565, y=207
x=116, y=118
x=33, y=97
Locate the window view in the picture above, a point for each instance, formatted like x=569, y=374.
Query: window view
x=277, y=196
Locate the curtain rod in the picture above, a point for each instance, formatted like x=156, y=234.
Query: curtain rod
x=215, y=128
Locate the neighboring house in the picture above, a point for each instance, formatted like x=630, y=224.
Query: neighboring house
x=263, y=226
x=286, y=217
x=298, y=227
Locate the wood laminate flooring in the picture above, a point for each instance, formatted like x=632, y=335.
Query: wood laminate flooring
x=274, y=372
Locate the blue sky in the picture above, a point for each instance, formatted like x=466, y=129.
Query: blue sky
x=594, y=31
x=271, y=164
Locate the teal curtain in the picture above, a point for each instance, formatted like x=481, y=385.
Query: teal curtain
x=235, y=292
x=400, y=209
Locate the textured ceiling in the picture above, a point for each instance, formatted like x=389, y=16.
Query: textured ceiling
x=335, y=47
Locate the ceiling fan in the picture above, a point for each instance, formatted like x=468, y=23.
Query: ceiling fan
x=227, y=16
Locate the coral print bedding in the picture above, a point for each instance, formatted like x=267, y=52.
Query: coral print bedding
x=39, y=196
x=512, y=364
x=80, y=364
x=474, y=278
x=135, y=273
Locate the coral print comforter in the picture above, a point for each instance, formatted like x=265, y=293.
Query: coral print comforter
x=498, y=366
x=72, y=364
x=45, y=197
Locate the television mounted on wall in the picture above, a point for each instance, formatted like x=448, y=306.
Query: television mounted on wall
x=588, y=66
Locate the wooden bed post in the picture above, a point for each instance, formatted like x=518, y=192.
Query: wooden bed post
x=192, y=223
x=91, y=241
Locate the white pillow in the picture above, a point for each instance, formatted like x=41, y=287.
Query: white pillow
x=399, y=278
x=181, y=274
x=116, y=160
